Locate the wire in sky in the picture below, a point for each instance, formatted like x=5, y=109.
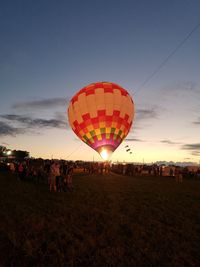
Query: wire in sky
x=167, y=58
x=74, y=151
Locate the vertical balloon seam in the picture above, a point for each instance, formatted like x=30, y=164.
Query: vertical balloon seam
x=86, y=103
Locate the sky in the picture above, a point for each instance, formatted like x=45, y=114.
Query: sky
x=49, y=50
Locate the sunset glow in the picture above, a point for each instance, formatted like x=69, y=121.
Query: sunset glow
x=43, y=65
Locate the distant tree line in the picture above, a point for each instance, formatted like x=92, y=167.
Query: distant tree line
x=20, y=154
x=17, y=154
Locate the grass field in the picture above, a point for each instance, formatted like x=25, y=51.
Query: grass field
x=108, y=220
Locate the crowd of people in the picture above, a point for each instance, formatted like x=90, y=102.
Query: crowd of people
x=155, y=170
x=58, y=173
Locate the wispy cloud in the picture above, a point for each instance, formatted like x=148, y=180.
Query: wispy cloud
x=188, y=86
x=148, y=113
x=62, y=116
x=30, y=122
x=196, y=153
x=42, y=104
x=169, y=142
x=7, y=130
x=133, y=140
x=197, y=122
x=193, y=148
x=182, y=89
x=25, y=124
x=5, y=144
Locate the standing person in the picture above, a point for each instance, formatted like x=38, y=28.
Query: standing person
x=65, y=174
x=59, y=177
x=20, y=171
x=69, y=177
x=161, y=170
x=47, y=166
x=54, y=172
x=171, y=172
x=178, y=175
x=12, y=167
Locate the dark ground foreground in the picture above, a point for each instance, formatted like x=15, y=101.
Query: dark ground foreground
x=108, y=220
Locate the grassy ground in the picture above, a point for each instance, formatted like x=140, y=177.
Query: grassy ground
x=108, y=220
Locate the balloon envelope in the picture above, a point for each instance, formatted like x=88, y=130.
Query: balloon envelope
x=101, y=115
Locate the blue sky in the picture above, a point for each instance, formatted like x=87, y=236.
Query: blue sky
x=51, y=49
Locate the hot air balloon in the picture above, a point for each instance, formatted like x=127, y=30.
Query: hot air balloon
x=101, y=115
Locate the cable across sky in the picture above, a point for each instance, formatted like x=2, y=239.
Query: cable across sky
x=170, y=55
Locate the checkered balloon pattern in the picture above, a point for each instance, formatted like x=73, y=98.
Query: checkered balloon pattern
x=101, y=115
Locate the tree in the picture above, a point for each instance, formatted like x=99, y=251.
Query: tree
x=2, y=150
x=20, y=154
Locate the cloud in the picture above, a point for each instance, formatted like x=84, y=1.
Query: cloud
x=7, y=130
x=5, y=144
x=188, y=86
x=62, y=116
x=182, y=89
x=133, y=140
x=42, y=104
x=30, y=122
x=193, y=148
x=197, y=122
x=196, y=153
x=143, y=114
x=169, y=142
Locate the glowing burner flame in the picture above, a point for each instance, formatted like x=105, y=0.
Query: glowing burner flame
x=104, y=154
